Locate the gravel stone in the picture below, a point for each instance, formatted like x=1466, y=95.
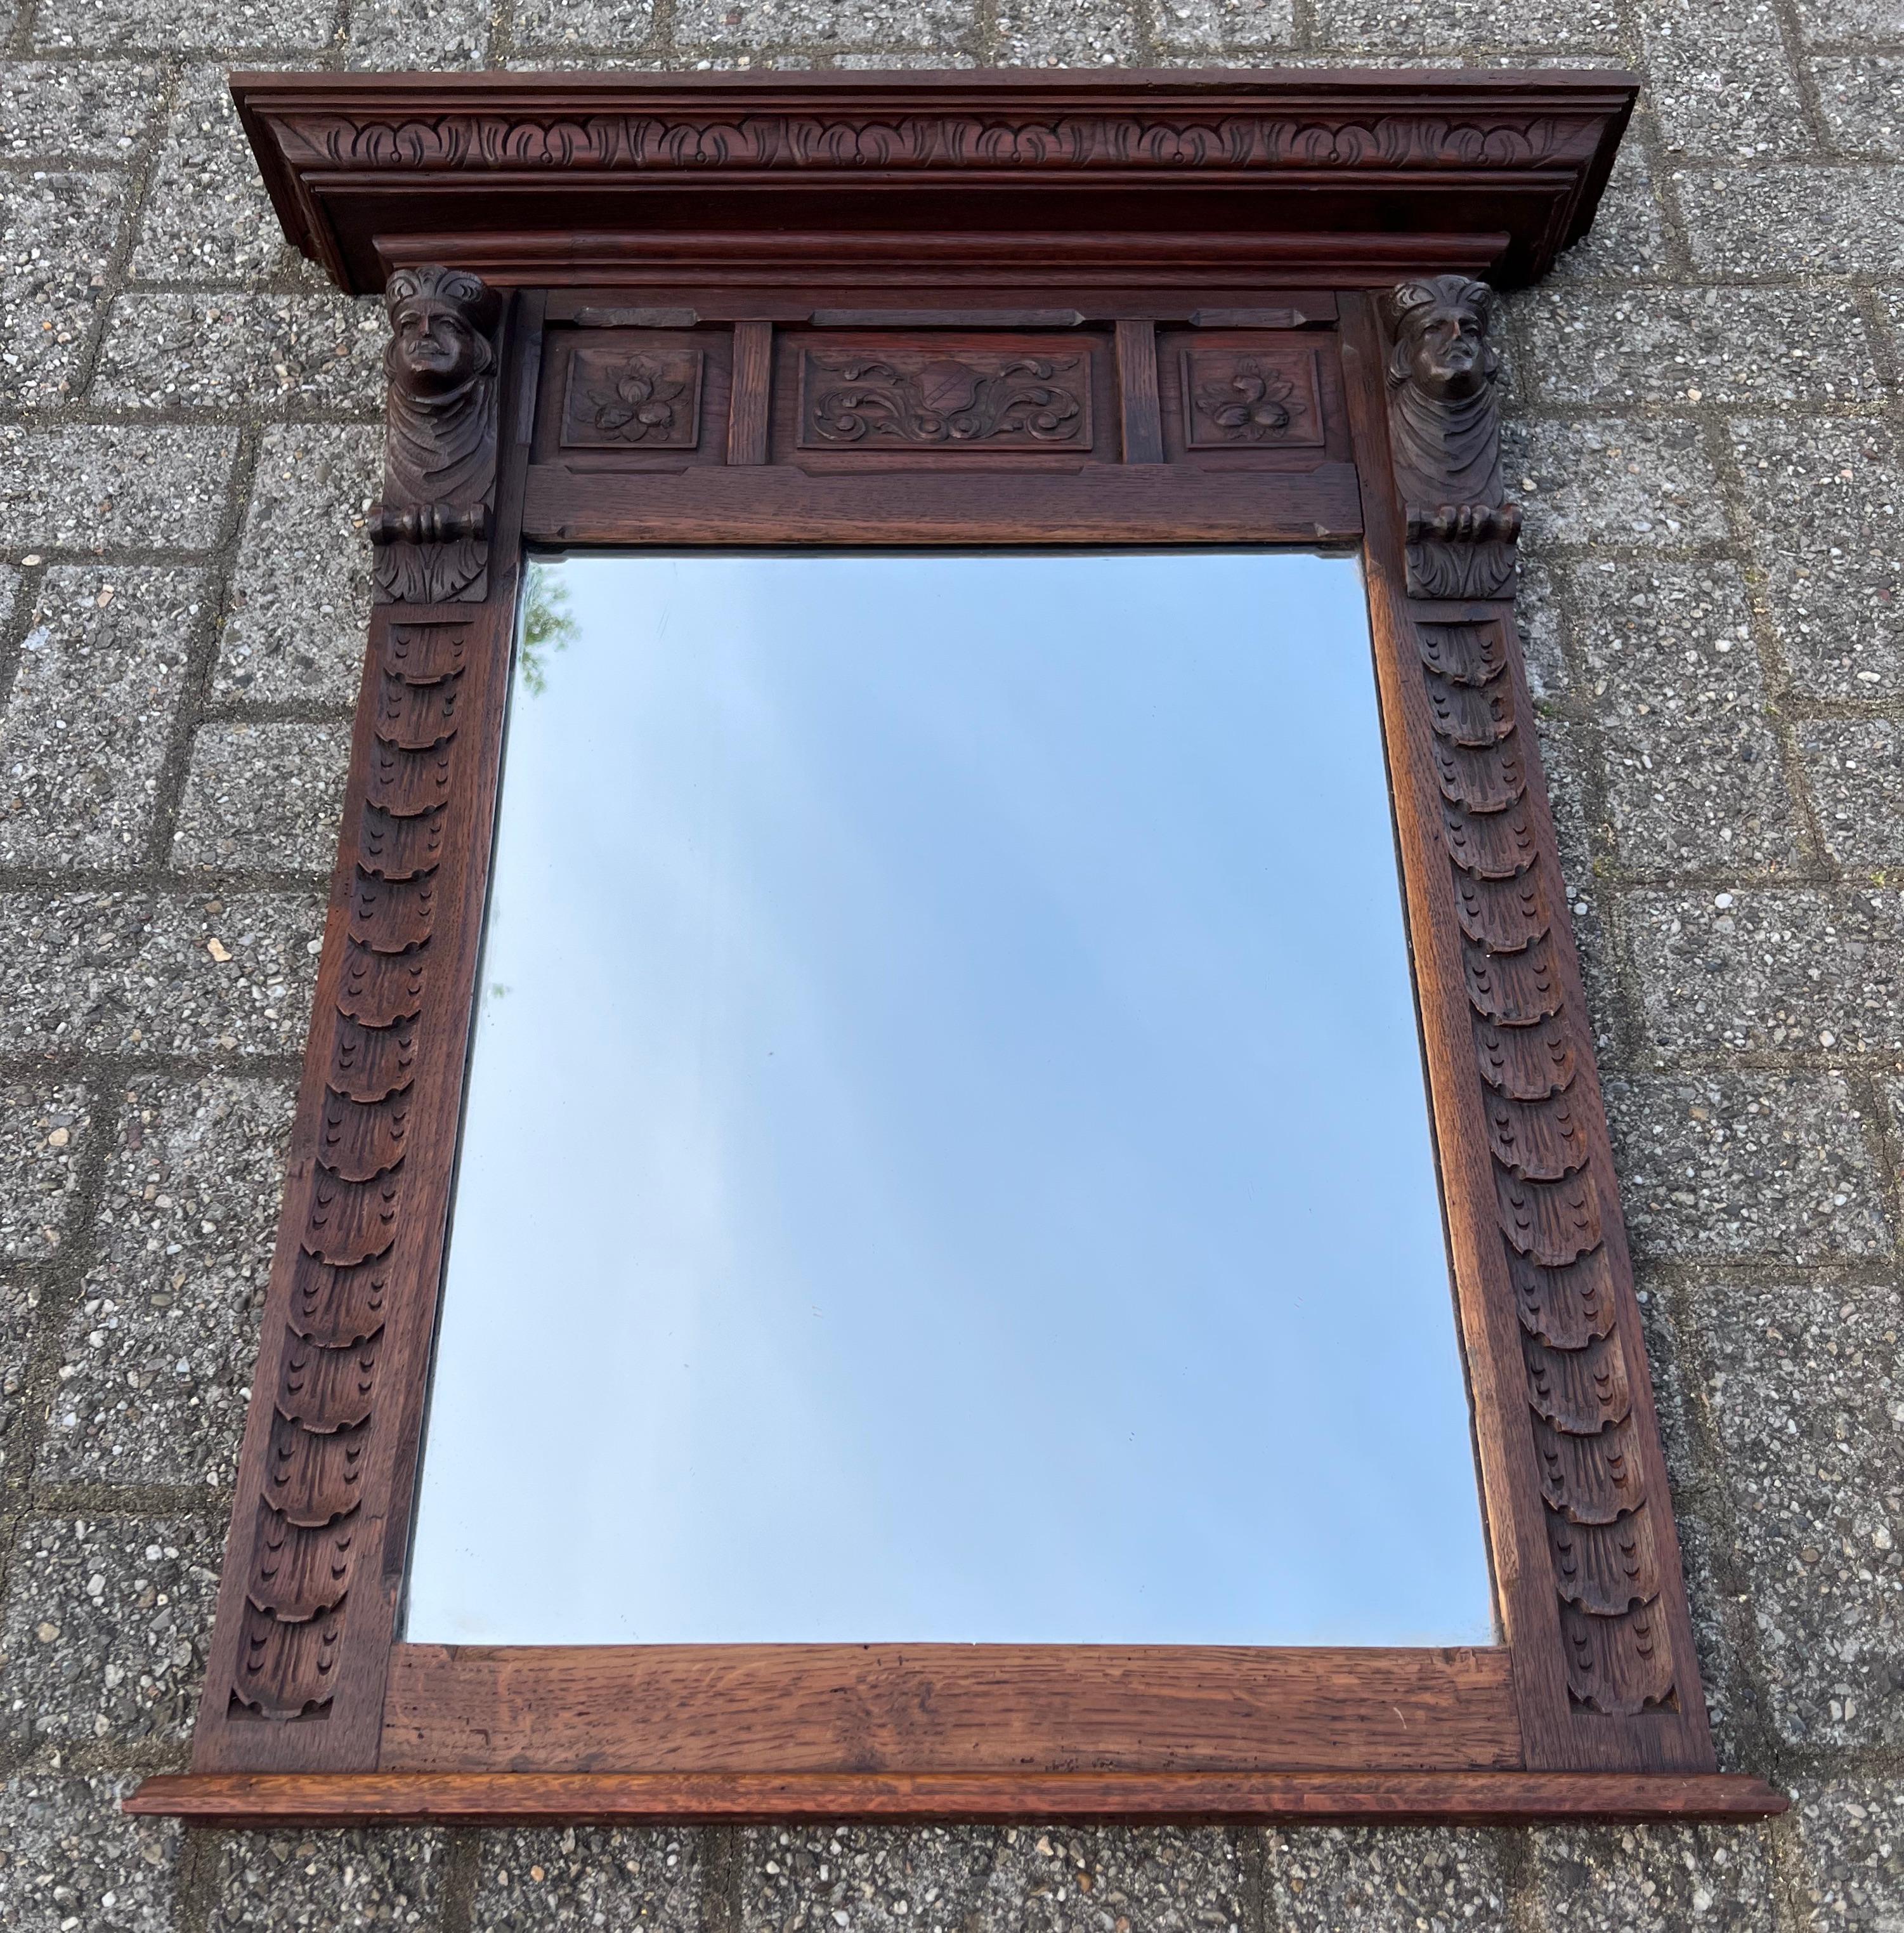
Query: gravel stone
x=207, y=218
x=416, y=34
x=1628, y=237
x=1325, y=1880
x=75, y=111
x=106, y=1623
x=267, y=796
x=1209, y=26
x=1851, y=1851
x=1695, y=775
x=1852, y=19
x=217, y=25
x=318, y=1881
x=581, y=1876
x=608, y=23
x=300, y=591
x=1793, y=970
x=1575, y=26
x=1807, y=1399
x=1861, y=97
x=1825, y=500
x=86, y=486
x=1721, y=83
x=86, y=730
x=1068, y=33
x=157, y=1359
x=1731, y=1166
x=1751, y=347
x=1793, y=220
x=1856, y=768
x=59, y=230
x=296, y=352
x=63, y=958
x=736, y=25
x=1654, y=1879
x=45, y=1128
x=71, y=1862
x=1608, y=481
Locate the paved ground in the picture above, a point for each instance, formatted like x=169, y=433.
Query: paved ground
x=1707, y=435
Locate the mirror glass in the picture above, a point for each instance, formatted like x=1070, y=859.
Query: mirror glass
x=946, y=1155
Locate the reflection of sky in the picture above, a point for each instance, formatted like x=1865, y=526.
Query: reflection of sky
x=946, y=1155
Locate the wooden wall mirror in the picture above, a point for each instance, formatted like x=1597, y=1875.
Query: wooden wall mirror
x=949, y=1164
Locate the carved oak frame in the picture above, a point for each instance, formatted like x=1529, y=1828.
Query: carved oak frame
x=1024, y=309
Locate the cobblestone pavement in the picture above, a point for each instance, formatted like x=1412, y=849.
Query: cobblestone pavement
x=1707, y=429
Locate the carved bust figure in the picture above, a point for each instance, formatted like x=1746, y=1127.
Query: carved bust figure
x=440, y=440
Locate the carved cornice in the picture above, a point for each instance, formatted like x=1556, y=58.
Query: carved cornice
x=1503, y=169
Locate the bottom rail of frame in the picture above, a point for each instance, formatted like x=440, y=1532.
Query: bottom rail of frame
x=466, y=1798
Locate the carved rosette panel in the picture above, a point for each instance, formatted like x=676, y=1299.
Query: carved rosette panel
x=628, y=398
x=1545, y=1140
x=305, y=1551
x=893, y=399
x=1251, y=398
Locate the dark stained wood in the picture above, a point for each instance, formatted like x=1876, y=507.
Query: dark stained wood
x=753, y=376
x=1094, y=325
x=994, y=1708
x=1306, y=1798
x=1136, y=375
x=1359, y=176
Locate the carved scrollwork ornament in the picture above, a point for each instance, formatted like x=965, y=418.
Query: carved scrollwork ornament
x=1444, y=432
x=430, y=532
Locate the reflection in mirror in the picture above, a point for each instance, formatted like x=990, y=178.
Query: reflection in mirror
x=945, y=1156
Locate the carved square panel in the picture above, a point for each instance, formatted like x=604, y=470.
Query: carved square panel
x=1251, y=398
x=621, y=397
x=928, y=398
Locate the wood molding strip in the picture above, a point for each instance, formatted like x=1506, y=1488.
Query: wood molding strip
x=1395, y=1799
x=1137, y=376
x=749, y=412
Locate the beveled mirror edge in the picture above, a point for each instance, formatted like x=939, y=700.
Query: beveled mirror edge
x=330, y=1594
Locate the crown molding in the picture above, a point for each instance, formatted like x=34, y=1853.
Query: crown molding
x=1352, y=176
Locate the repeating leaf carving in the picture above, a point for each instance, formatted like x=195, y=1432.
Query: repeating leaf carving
x=1003, y=401
x=303, y=1550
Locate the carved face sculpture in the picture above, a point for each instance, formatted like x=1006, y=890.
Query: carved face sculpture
x=439, y=330
x=1441, y=336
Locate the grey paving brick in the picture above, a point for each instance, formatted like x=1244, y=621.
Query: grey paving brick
x=1657, y=1879
x=105, y=1625
x=263, y=796
x=740, y=24
x=581, y=1876
x=1721, y=82
x=1862, y=97
x=1070, y=33
x=1851, y=1848
x=170, y=24
x=1321, y=1881
x=1736, y=1167
x=1627, y=236
x=1209, y=26
x=301, y=590
x=1752, y=346
x=75, y=110
x=1695, y=775
x=1755, y=972
x=156, y=1362
x=1466, y=26
x=89, y=486
x=1793, y=219
x=59, y=231
x=413, y=34
x=1855, y=767
x=1804, y=1396
x=302, y=353
x=1852, y=19
x=64, y=958
x=87, y=727
x=316, y=1882
x=1606, y=480
x=74, y=1863
x=1825, y=503
x=20, y=1299
x=207, y=219
x=601, y=23
x=45, y=1127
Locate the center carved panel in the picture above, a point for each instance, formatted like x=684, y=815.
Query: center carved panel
x=919, y=398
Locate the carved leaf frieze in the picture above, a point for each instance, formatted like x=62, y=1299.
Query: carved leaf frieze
x=1002, y=400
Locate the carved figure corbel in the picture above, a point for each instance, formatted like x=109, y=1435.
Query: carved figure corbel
x=1444, y=431
x=431, y=533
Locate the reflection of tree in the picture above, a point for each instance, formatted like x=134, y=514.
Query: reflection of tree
x=547, y=627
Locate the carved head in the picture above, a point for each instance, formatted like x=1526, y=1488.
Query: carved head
x=440, y=324
x=1441, y=343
